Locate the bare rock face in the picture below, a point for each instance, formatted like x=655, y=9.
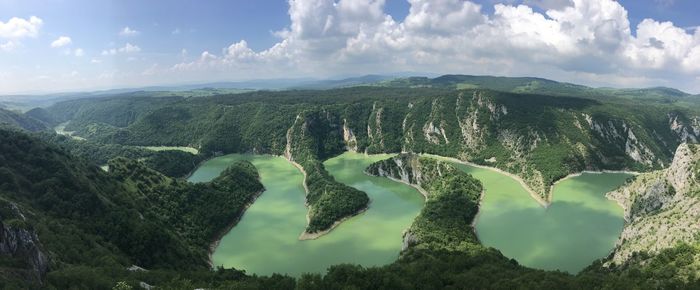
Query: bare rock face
x=680, y=174
x=662, y=208
x=349, y=137
x=19, y=242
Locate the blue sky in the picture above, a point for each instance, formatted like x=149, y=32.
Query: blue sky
x=85, y=45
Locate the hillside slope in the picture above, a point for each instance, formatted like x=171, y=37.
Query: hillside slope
x=59, y=213
x=540, y=138
x=23, y=121
x=66, y=224
x=662, y=209
x=452, y=201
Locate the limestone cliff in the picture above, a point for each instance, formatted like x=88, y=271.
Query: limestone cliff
x=19, y=242
x=538, y=137
x=314, y=136
x=452, y=200
x=662, y=208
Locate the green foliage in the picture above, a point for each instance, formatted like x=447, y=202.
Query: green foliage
x=329, y=201
x=132, y=215
x=121, y=285
x=19, y=120
x=199, y=212
x=445, y=222
x=94, y=224
x=541, y=136
x=172, y=163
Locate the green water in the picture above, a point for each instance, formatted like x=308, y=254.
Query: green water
x=580, y=225
x=266, y=239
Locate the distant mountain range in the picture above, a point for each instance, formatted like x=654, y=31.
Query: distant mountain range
x=506, y=84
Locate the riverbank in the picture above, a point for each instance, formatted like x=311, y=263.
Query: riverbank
x=420, y=189
x=538, y=198
x=406, y=234
x=298, y=166
x=478, y=212
x=187, y=149
x=618, y=202
x=544, y=202
x=220, y=235
x=312, y=236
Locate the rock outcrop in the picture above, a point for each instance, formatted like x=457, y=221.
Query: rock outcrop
x=662, y=208
x=452, y=200
x=18, y=241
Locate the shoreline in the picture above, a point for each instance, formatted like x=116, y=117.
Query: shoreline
x=425, y=196
x=198, y=166
x=542, y=201
x=312, y=236
x=305, y=236
x=220, y=235
x=298, y=166
x=572, y=175
x=478, y=211
x=420, y=189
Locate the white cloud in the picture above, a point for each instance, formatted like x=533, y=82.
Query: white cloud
x=582, y=41
x=61, y=42
x=443, y=17
x=128, y=48
x=587, y=41
x=152, y=70
x=8, y=46
x=126, y=31
x=20, y=27
x=95, y=61
x=78, y=52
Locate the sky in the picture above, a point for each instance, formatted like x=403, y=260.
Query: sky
x=63, y=45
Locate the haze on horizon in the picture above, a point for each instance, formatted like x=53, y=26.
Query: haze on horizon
x=58, y=45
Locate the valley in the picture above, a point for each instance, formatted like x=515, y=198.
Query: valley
x=263, y=242
x=266, y=240
x=350, y=145
x=500, y=184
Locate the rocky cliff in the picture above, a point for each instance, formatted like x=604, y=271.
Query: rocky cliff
x=662, y=208
x=452, y=201
x=20, y=243
x=540, y=138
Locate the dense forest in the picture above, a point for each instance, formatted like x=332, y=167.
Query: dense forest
x=539, y=137
x=173, y=163
x=452, y=201
x=88, y=238
x=14, y=119
x=61, y=212
x=65, y=223
x=309, y=141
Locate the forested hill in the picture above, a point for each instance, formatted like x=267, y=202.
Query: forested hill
x=662, y=209
x=452, y=201
x=539, y=137
x=543, y=86
x=60, y=214
x=13, y=119
x=65, y=224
